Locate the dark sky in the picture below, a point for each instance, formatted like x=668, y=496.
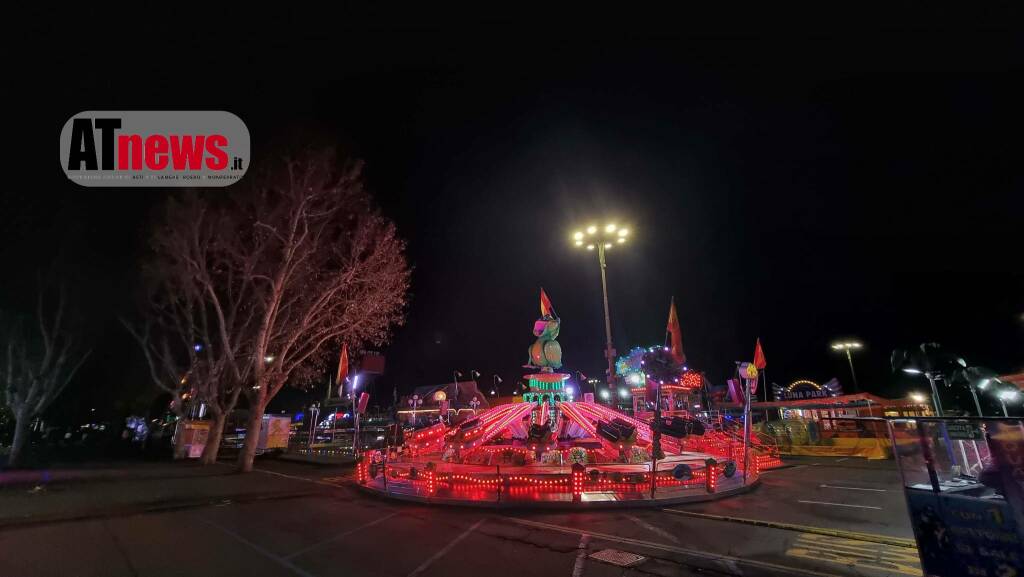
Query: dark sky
x=796, y=183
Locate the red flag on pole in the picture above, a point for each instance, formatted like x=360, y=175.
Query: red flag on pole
x=342, y=365
x=546, y=310
x=675, y=334
x=759, y=360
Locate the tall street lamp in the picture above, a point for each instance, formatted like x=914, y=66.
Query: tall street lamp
x=846, y=347
x=975, y=387
x=932, y=377
x=600, y=239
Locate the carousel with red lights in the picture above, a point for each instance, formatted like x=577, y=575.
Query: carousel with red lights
x=554, y=448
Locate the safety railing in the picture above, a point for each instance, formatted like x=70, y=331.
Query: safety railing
x=608, y=481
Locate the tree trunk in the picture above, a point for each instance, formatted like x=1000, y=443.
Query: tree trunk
x=21, y=435
x=212, y=448
x=252, y=437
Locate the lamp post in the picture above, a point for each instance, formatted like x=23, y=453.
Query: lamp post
x=314, y=412
x=355, y=417
x=932, y=377
x=456, y=375
x=982, y=385
x=601, y=239
x=1004, y=396
x=495, y=381
x=415, y=401
x=846, y=347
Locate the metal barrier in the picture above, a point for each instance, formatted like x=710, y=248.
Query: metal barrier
x=963, y=479
x=442, y=481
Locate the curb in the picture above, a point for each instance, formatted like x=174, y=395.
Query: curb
x=302, y=461
x=853, y=535
x=148, y=508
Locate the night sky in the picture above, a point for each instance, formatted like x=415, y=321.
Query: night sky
x=797, y=184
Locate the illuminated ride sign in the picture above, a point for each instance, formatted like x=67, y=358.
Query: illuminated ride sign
x=805, y=389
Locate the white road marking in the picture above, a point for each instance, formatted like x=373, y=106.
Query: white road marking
x=306, y=479
x=340, y=535
x=653, y=529
x=721, y=560
x=446, y=549
x=280, y=560
x=840, y=504
x=581, y=556
x=841, y=460
x=852, y=488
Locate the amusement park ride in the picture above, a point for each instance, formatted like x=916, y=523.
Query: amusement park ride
x=555, y=448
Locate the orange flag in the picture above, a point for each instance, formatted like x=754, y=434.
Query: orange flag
x=545, y=305
x=342, y=365
x=759, y=361
x=675, y=334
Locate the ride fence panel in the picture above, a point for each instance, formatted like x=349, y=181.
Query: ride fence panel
x=676, y=477
x=964, y=483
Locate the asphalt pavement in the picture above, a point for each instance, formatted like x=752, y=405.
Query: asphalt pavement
x=818, y=517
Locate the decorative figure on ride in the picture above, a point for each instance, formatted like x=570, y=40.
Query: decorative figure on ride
x=545, y=353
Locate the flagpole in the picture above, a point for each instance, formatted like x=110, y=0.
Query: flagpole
x=764, y=384
x=672, y=304
x=746, y=429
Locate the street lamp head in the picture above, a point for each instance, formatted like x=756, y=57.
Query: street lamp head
x=577, y=235
x=912, y=370
x=623, y=231
x=607, y=245
x=917, y=397
x=590, y=247
x=621, y=239
x=605, y=394
x=984, y=383
x=1008, y=395
x=846, y=346
x=610, y=228
x=592, y=229
x=579, y=242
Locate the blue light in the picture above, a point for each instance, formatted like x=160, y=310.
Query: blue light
x=299, y=416
x=197, y=347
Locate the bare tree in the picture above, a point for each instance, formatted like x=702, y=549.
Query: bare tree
x=327, y=267
x=296, y=260
x=38, y=363
x=180, y=334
